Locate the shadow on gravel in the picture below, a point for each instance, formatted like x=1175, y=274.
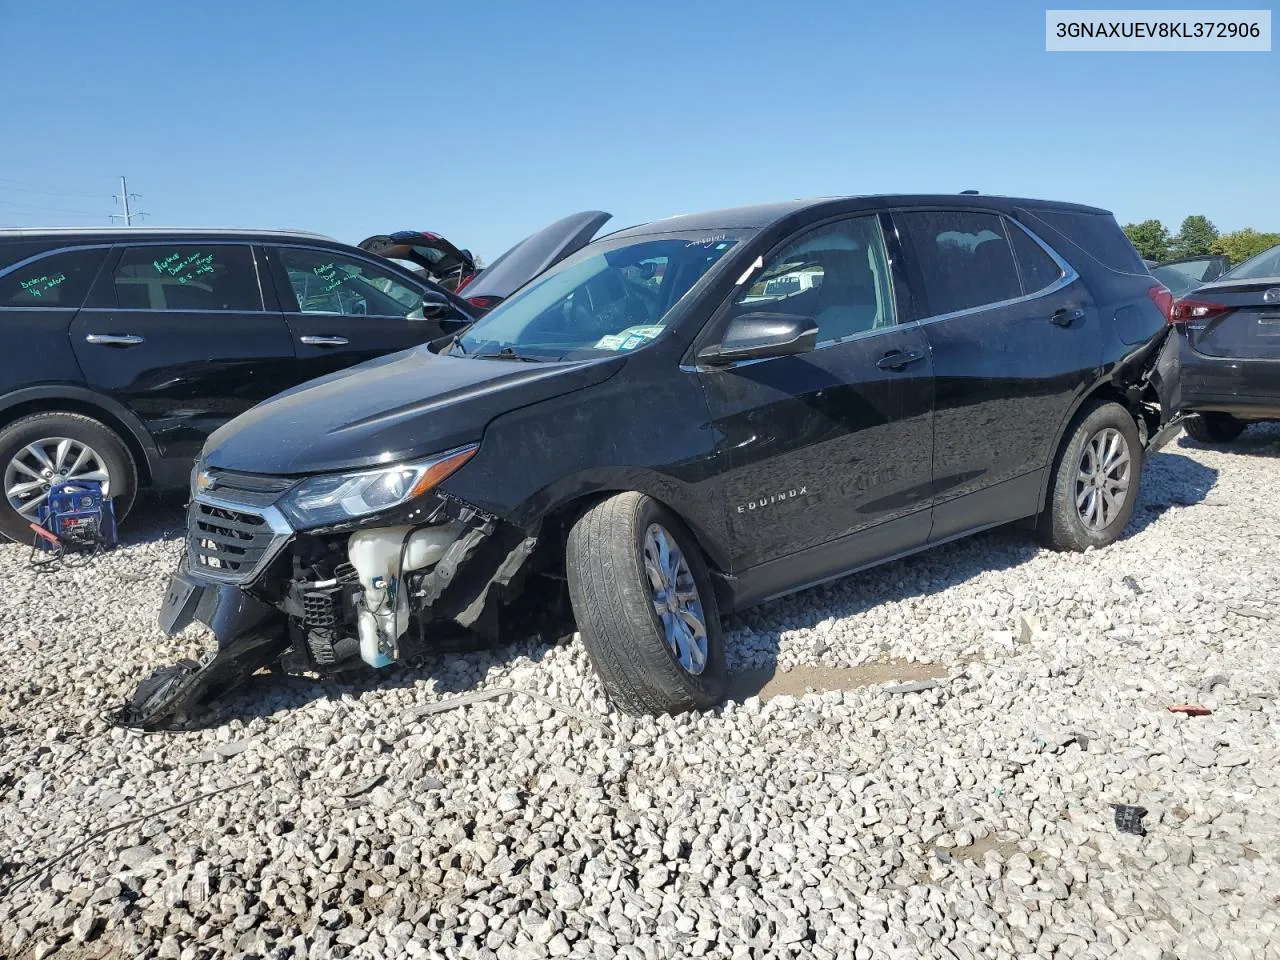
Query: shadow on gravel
x=156, y=515
x=1169, y=480
x=1258, y=440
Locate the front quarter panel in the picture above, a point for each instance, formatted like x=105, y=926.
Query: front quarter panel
x=646, y=429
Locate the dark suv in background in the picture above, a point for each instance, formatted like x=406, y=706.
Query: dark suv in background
x=127, y=347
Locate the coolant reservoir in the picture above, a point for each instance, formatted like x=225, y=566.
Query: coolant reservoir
x=375, y=554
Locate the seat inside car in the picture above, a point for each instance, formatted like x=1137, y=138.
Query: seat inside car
x=847, y=297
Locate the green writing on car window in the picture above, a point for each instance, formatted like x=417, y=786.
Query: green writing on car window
x=330, y=275
x=184, y=269
x=39, y=286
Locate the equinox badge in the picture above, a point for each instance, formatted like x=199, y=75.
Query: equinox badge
x=772, y=499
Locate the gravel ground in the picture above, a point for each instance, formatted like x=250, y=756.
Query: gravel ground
x=971, y=818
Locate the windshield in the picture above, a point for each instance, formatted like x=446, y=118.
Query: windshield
x=1259, y=267
x=610, y=296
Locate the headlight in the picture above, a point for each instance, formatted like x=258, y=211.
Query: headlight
x=336, y=498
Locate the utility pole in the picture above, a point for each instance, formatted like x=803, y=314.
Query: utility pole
x=124, y=198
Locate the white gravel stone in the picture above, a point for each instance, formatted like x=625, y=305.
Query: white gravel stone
x=962, y=817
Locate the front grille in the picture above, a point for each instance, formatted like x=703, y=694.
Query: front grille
x=226, y=544
x=252, y=490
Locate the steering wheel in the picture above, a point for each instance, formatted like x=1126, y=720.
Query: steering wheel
x=581, y=317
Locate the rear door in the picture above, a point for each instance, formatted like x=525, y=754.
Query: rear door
x=1015, y=339
x=342, y=309
x=178, y=332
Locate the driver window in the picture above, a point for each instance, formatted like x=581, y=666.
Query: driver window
x=838, y=274
x=325, y=281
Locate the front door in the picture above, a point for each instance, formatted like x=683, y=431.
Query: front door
x=829, y=451
x=1015, y=339
x=342, y=309
x=177, y=332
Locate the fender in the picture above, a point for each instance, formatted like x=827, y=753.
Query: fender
x=1133, y=370
x=48, y=394
x=702, y=514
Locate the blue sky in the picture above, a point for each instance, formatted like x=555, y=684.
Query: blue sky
x=487, y=123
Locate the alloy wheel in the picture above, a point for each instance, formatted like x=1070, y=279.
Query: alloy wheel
x=32, y=469
x=675, y=599
x=1102, y=484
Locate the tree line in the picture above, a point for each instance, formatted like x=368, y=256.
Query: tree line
x=1196, y=237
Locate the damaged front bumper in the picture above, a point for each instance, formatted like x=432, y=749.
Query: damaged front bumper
x=376, y=592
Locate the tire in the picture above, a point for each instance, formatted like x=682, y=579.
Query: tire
x=1213, y=427
x=106, y=448
x=615, y=605
x=1076, y=516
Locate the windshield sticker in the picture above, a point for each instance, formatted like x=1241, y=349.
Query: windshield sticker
x=708, y=241
x=39, y=286
x=630, y=338
x=184, y=269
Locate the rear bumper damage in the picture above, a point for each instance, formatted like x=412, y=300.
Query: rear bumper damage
x=325, y=601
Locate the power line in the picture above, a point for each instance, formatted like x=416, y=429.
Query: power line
x=40, y=208
x=23, y=186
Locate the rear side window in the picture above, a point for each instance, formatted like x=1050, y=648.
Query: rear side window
x=187, y=277
x=58, y=280
x=964, y=257
x=1037, y=268
x=1098, y=235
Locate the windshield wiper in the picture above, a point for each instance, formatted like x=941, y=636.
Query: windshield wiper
x=506, y=353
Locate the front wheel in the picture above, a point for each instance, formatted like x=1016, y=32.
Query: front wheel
x=1095, y=481
x=645, y=608
x=1213, y=427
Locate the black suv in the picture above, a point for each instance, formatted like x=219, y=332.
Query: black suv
x=682, y=419
x=129, y=346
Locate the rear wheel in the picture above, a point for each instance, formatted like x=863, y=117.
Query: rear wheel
x=645, y=608
x=44, y=447
x=1095, y=481
x=1213, y=427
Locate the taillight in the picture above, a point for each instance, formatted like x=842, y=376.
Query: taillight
x=484, y=303
x=1189, y=309
x=465, y=280
x=1162, y=298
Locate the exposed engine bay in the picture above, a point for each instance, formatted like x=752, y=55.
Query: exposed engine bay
x=328, y=601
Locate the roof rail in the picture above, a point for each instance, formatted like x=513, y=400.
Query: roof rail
x=153, y=231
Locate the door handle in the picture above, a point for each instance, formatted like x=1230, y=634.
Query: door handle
x=898, y=359
x=324, y=341
x=1065, y=317
x=114, y=340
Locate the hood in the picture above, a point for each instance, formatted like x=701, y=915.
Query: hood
x=535, y=254
x=398, y=407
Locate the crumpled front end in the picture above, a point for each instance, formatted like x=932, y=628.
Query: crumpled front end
x=376, y=590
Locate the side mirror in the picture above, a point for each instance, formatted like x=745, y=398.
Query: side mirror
x=435, y=306
x=754, y=336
